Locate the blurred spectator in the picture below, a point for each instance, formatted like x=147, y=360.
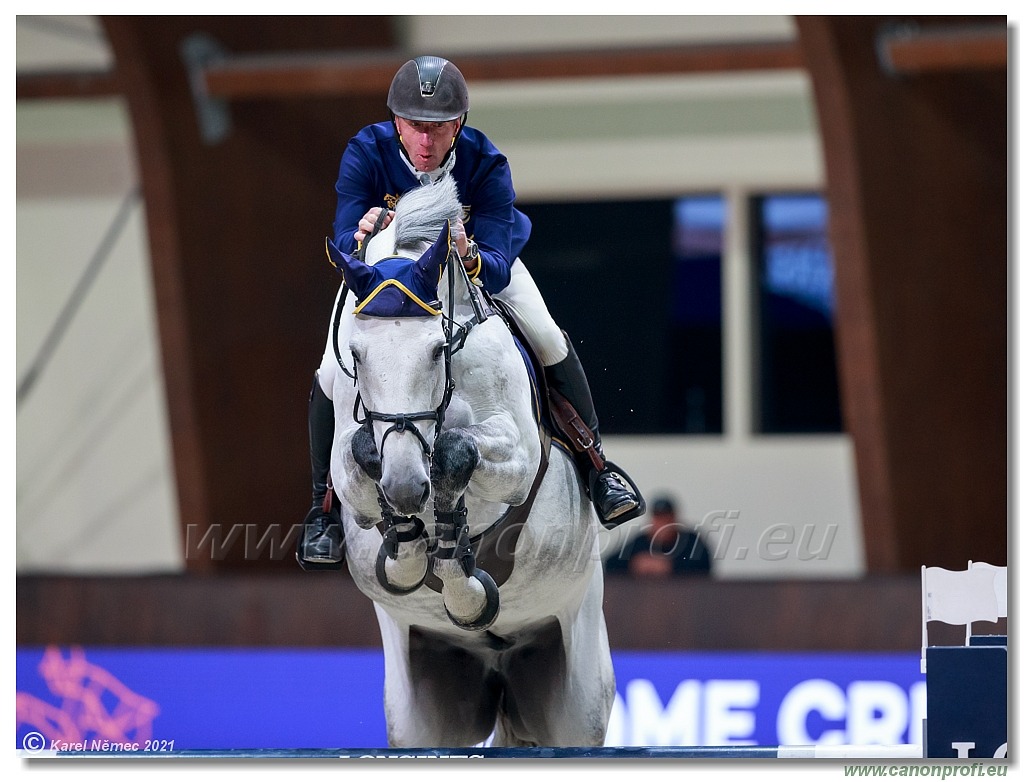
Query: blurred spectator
x=665, y=547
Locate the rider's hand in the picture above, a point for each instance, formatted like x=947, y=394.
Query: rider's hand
x=462, y=243
x=369, y=220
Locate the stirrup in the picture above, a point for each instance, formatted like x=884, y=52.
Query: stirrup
x=622, y=518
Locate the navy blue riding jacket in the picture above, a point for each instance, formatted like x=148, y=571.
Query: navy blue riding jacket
x=374, y=173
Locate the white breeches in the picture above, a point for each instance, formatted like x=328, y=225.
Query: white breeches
x=521, y=296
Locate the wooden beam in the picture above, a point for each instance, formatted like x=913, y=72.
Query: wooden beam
x=67, y=84
x=335, y=73
x=898, y=151
x=339, y=74
x=235, y=510
x=945, y=50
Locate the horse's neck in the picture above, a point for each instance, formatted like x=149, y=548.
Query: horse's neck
x=381, y=245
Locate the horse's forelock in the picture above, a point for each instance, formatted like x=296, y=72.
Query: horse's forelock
x=421, y=213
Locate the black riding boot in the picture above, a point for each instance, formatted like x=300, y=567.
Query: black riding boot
x=614, y=498
x=321, y=544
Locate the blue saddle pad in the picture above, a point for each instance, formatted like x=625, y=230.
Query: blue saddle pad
x=539, y=410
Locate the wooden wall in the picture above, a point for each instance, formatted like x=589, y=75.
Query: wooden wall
x=881, y=613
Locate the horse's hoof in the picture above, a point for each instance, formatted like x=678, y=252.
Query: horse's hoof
x=491, y=606
x=385, y=581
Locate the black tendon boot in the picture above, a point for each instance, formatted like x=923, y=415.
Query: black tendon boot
x=615, y=497
x=321, y=542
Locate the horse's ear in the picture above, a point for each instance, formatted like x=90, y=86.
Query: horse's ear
x=432, y=262
x=358, y=276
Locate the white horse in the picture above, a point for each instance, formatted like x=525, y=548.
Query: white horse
x=468, y=530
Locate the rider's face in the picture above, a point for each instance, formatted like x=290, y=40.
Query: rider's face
x=426, y=143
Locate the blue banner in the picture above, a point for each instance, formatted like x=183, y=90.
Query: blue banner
x=704, y=699
x=227, y=698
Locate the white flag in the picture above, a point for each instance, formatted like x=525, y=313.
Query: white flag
x=999, y=581
x=958, y=597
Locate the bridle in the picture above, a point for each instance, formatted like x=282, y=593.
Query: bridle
x=455, y=335
x=451, y=540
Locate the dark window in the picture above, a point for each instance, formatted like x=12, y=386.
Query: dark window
x=637, y=286
x=694, y=389
x=795, y=375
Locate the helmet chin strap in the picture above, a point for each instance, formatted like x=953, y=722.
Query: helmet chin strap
x=428, y=177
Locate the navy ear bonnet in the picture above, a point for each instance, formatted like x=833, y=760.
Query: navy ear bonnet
x=395, y=287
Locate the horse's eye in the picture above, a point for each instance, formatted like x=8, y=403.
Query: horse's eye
x=438, y=353
x=355, y=357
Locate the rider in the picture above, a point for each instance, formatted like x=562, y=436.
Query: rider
x=426, y=139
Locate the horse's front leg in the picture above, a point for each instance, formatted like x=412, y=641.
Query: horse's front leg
x=499, y=457
x=455, y=459
x=354, y=473
x=470, y=594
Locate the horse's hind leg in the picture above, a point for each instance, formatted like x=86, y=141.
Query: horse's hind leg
x=435, y=694
x=561, y=687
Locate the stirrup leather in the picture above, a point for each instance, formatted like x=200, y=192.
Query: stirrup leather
x=581, y=438
x=583, y=441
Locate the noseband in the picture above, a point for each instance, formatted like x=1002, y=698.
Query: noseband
x=401, y=422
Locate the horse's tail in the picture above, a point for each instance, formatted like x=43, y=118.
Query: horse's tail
x=422, y=212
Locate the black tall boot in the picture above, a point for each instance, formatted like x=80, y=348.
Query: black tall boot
x=321, y=543
x=615, y=498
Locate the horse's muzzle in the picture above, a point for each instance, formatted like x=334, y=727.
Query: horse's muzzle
x=407, y=497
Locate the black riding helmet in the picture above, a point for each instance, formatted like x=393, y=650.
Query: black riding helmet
x=429, y=89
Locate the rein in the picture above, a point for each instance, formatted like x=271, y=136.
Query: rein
x=361, y=255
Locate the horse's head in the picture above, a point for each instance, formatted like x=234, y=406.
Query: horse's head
x=399, y=349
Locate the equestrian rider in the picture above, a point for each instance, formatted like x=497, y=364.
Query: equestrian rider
x=426, y=139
